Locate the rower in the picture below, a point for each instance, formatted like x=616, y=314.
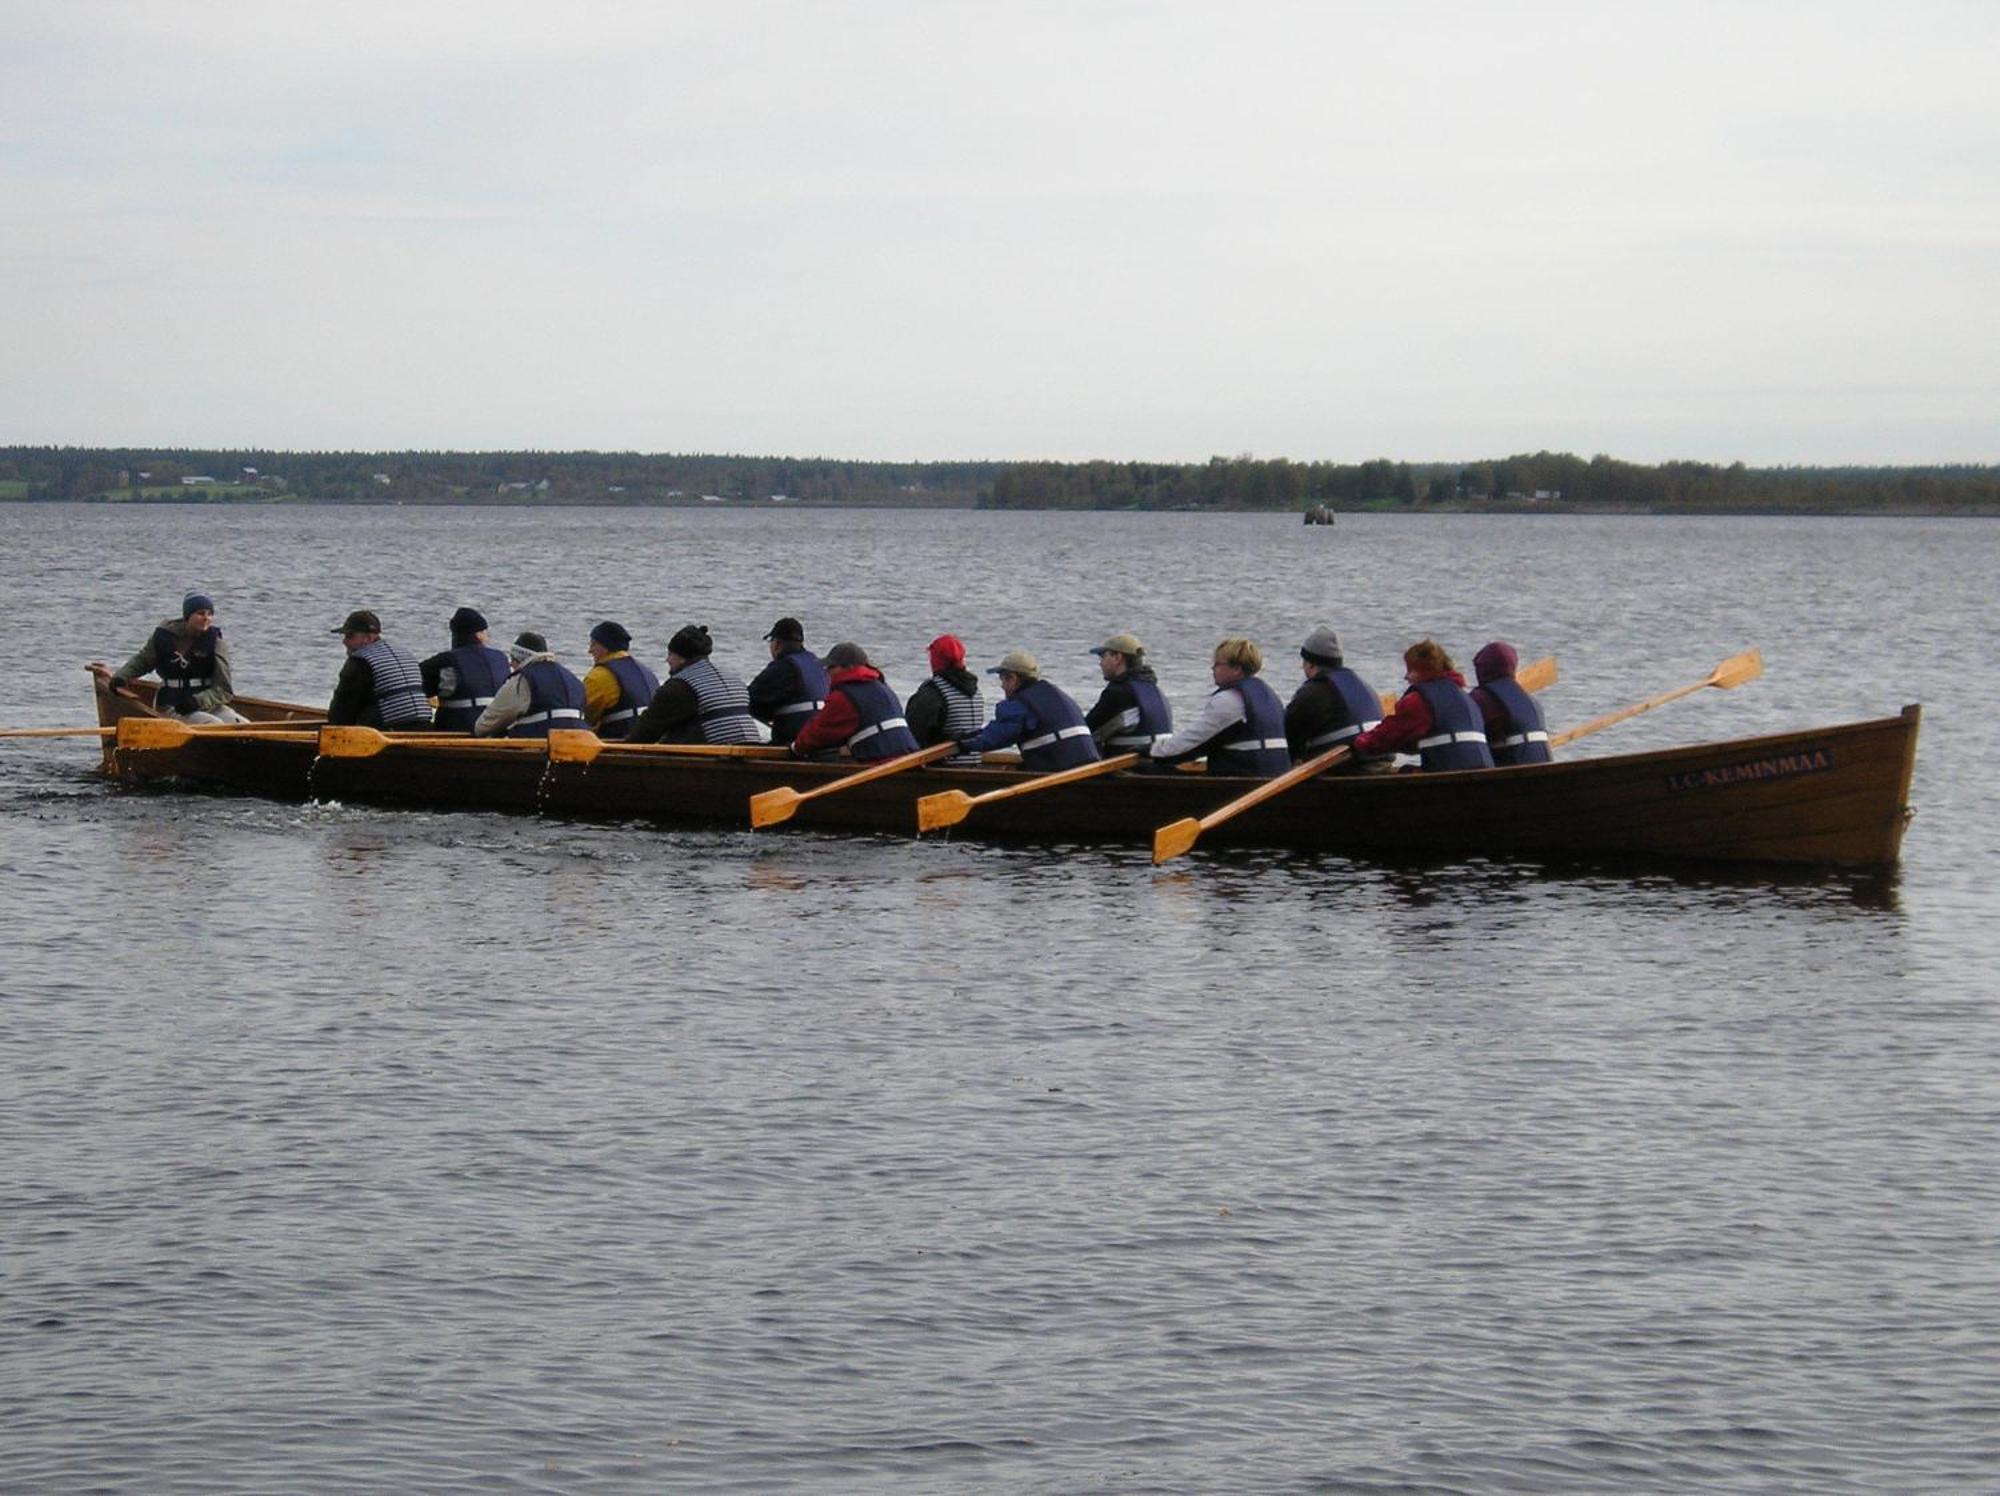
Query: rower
x=1434, y=719
x=697, y=703
x=948, y=705
x=381, y=684
x=192, y=661
x=1515, y=731
x=542, y=694
x=786, y=692
x=861, y=713
x=1333, y=706
x=1130, y=712
x=1038, y=715
x=465, y=677
x=617, y=687
x=1242, y=724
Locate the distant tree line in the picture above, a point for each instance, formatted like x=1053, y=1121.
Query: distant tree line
x=1541, y=481
x=1553, y=481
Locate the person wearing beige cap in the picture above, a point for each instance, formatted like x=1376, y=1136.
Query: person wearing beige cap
x=1131, y=712
x=1040, y=717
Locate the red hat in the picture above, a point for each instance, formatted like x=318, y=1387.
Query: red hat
x=947, y=653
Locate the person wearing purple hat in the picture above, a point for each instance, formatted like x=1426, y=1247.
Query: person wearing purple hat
x=1515, y=730
x=192, y=663
x=466, y=677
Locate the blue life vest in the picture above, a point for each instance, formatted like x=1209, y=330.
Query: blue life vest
x=803, y=692
x=555, y=699
x=883, y=733
x=400, y=699
x=1522, y=737
x=636, y=685
x=1149, y=717
x=1056, y=737
x=186, y=665
x=1356, y=709
x=1457, y=738
x=1256, y=744
x=479, y=671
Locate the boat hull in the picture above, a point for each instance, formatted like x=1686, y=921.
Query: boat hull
x=1836, y=796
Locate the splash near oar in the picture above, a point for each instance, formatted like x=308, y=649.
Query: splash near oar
x=773, y=806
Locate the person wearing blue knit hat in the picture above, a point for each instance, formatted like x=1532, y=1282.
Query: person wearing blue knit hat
x=191, y=660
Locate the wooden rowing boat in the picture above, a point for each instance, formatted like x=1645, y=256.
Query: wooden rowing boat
x=111, y=710
x=1835, y=795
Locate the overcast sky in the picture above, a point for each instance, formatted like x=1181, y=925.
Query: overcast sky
x=1741, y=230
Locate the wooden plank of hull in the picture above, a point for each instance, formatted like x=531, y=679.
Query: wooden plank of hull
x=1834, y=795
x=111, y=710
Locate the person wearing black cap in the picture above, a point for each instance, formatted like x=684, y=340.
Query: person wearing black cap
x=192, y=661
x=1333, y=706
x=787, y=692
x=466, y=677
x=861, y=713
x=1130, y=712
x=696, y=703
x=616, y=687
x=541, y=694
x=381, y=684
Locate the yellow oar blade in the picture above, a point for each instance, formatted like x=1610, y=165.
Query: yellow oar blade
x=153, y=733
x=772, y=806
x=568, y=745
x=1537, y=676
x=1738, y=669
x=1172, y=840
x=946, y=808
x=351, y=742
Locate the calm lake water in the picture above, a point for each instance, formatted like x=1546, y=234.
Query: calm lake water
x=346, y=1148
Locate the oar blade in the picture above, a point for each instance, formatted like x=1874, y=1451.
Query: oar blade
x=569, y=745
x=1738, y=669
x=770, y=807
x=153, y=733
x=1173, y=839
x=351, y=742
x=946, y=808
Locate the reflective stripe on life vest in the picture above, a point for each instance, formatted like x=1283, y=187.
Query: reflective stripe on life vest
x=553, y=714
x=883, y=726
x=1451, y=737
x=1342, y=734
x=1079, y=731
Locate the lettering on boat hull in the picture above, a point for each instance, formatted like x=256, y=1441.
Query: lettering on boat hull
x=1784, y=766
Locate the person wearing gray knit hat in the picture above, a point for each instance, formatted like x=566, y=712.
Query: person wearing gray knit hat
x=191, y=660
x=1333, y=706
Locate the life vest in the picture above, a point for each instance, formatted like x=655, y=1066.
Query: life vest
x=1457, y=737
x=479, y=672
x=1356, y=709
x=805, y=696
x=964, y=716
x=1149, y=717
x=1059, y=737
x=722, y=704
x=636, y=685
x=400, y=699
x=555, y=699
x=883, y=732
x=1256, y=743
x=1522, y=737
x=186, y=666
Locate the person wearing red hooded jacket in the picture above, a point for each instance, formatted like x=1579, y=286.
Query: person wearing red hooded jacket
x=1515, y=730
x=1435, y=719
x=861, y=713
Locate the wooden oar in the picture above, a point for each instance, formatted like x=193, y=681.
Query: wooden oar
x=569, y=746
x=773, y=806
x=366, y=742
x=1172, y=840
x=153, y=733
x=949, y=807
x=58, y=732
x=1732, y=672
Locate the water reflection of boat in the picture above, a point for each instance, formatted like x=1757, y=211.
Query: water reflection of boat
x=1835, y=795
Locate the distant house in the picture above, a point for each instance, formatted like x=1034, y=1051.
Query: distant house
x=384, y=479
x=614, y=488
x=1548, y=493
x=192, y=478
x=250, y=473
x=713, y=498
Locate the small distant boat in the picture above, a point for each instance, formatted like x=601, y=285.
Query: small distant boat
x=1319, y=514
x=1828, y=796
